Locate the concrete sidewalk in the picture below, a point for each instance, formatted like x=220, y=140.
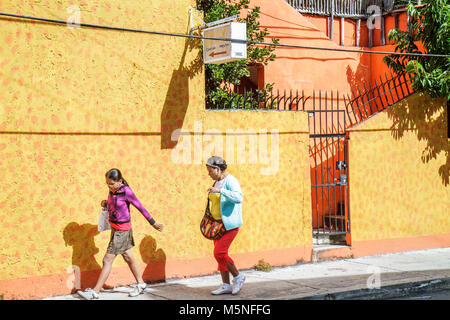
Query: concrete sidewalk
x=374, y=277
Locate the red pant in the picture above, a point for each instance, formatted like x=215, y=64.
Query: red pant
x=221, y=249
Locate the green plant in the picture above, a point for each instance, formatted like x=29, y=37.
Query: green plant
x=221, y=78
x=430, y=25
x=263, y=266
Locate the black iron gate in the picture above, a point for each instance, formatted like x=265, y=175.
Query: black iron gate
x=329, y=165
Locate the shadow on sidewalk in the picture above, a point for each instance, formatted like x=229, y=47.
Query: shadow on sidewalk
x=346, y=287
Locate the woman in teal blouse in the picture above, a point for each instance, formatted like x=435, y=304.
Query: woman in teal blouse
x=226, y=204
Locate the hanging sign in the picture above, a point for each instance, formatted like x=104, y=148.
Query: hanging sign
x=219, y=51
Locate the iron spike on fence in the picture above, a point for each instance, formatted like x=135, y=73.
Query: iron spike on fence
x=385, y=93
x=367, y=93
x=353, y=109
x=363, y=103
x=395, y=85
x=406, y=82
x=390, y=90
x=346, y=107
x=379, y=94
x=375, y=98
x=358, y=107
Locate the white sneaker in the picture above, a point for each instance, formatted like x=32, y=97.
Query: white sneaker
x=238, y=282
x=88, y=294
x=138, y=289
x=225, y=288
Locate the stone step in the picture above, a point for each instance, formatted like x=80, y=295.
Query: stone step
x=325, y=252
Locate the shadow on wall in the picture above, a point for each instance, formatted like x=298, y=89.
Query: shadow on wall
x=155, y=259
x=85, y=267
x=358, y=78
x=428, y=118
x=177, y=97
x=86, y=270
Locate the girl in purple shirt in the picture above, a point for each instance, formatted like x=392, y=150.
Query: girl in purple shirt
x=118, y=204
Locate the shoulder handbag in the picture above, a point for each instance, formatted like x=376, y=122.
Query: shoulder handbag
x=211, y=229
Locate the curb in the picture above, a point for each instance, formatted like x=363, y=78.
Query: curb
x=387, y=292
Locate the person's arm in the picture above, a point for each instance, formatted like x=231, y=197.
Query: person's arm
x=233, y=191
x=131, y=197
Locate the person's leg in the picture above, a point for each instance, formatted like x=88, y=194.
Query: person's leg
x=225, y=276
x=221, y=247
x=225, y=263
x=132, y=264
x=232, y=268
x=107, y=264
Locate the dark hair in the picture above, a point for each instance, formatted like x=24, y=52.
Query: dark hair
x=115, y=175
x=217, y=162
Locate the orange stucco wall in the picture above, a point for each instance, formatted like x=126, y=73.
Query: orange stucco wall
x=307, y=69
x=76, y=102
x=321, y=23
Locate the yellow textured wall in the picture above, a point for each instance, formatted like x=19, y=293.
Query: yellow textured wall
x=77, y=102
x=398, y=172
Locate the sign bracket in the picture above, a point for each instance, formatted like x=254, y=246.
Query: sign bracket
x=194, y=14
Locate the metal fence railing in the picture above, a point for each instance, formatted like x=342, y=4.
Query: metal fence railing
x=339, y=8
x=260, y=100
x=377, y=97
x=346, y=8
x=359, y=105
x=398, y=4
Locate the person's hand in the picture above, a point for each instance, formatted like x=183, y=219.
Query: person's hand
x=158, y=226
x=103, y=203
x=213, y=190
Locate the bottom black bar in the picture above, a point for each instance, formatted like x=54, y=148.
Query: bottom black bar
x=211, y=309
x=167, y=309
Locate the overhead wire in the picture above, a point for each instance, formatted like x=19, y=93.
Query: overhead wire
x=191, y=36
